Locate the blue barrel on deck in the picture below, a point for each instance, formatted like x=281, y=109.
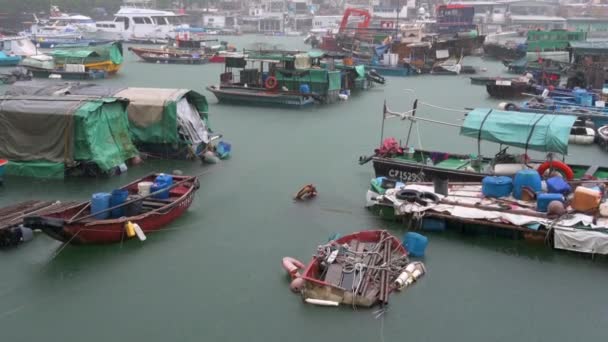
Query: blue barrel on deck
x=164, y=179
x=99, y=202
x=526, y=178
x=118, y=197
x=304, y=88
x=496, y=186
x=415, y=244
x=157, y=187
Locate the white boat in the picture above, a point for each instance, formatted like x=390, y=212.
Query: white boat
x=18, y=46
x=139, y=24
x=60, y=26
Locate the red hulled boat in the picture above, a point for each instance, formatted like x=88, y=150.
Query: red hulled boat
x=76, y=225
x=358, y=269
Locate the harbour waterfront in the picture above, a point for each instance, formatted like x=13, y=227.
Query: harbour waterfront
x=215, y=273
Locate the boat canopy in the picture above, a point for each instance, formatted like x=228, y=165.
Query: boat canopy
x=156, y=115
x=94, y=53
x=65, y=130
x=534, y=131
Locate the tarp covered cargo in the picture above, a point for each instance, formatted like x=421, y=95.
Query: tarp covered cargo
x=66, y=130
x=156, y=115
x=539, y=132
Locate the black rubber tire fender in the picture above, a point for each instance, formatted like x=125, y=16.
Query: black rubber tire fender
x=408, y=195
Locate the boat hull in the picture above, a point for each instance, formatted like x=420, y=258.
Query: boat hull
x=457, y=169
x=315, y=288
x=260, y=97
x=108, y=231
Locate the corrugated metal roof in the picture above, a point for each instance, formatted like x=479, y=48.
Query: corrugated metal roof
x=599, y=45
x=540, y=18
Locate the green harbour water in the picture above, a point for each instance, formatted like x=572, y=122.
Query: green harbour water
x=215, y=274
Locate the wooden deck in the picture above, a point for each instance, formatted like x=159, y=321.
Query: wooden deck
x=13, y=215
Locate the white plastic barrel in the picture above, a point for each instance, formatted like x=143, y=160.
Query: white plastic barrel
x=143, y=188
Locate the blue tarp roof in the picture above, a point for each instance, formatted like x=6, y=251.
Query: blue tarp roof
x=539, y=132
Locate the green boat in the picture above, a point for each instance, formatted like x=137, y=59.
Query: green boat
x=277, y=79
x=552, y=44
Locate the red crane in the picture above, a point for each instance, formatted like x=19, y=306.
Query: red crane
x=358, y=12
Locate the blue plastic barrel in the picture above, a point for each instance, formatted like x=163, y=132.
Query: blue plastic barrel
x=526, y=178
x=587, y=99
x=166, y=180
x=304, y=88
x=99, y=202
x=415, y=244
x=157, y=187
x=118, y=197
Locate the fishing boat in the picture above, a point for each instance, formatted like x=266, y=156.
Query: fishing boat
x=78, y=62
x=485, y=80
x=359, y=269
x=550, y=134
x=170, y=55
x=291, y=81
x=78, y=225
x=509, y=88
x=493, y=209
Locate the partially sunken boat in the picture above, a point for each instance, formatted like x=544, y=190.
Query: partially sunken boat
x=530, y=131
x=168, y=123
x=359, y=269
x=50, y=137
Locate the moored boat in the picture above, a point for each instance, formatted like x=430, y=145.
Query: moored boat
x=496, y=206
x=550, y=134
x=79, y=225
x=277, y=78
x=170, y=56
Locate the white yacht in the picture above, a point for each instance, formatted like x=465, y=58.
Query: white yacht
x=61, y=25
x=139, y=24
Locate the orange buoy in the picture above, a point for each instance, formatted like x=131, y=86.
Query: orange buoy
x=292, y=266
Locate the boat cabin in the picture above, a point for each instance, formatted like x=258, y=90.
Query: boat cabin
x=281, y=71
x=455, y=19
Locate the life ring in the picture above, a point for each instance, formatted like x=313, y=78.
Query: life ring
x=271, y=82
x=292, y=266
x=558, y=165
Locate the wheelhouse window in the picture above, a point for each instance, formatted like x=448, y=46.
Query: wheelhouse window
x=160, y=20
x=148, y=20
x=138, y=20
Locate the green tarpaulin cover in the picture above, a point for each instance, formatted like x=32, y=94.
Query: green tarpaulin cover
x=360, y=70
x=91, y=54
x=65, y=130
x=539, y=132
